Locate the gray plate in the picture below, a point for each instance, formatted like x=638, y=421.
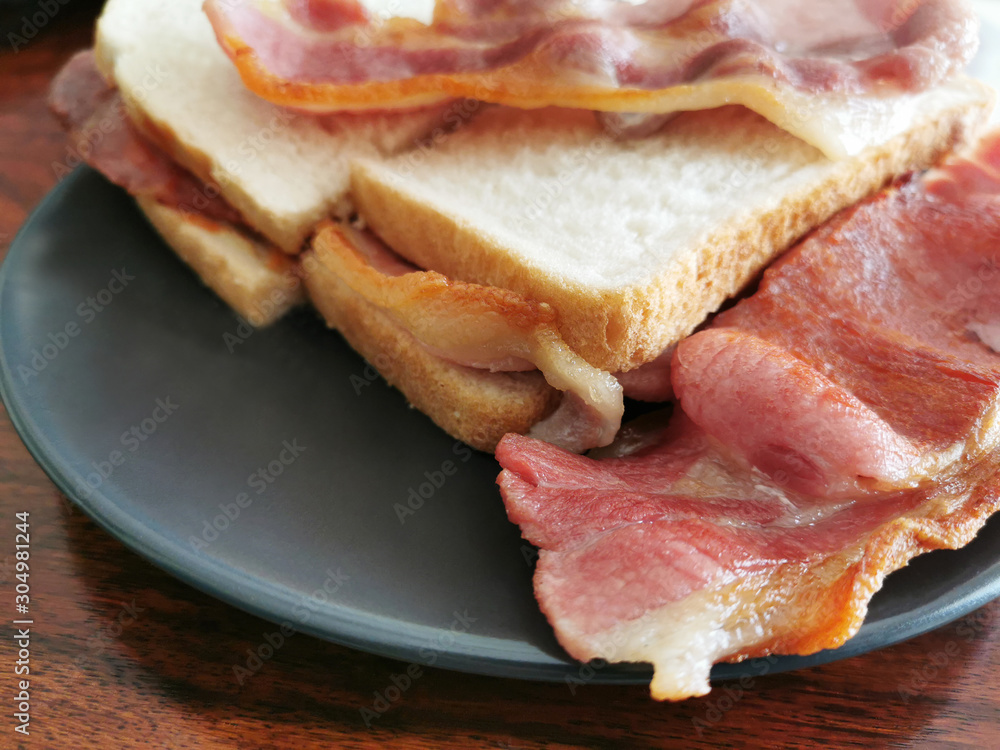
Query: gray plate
x=147, y=406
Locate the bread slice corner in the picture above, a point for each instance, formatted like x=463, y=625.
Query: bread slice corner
x=257, y=281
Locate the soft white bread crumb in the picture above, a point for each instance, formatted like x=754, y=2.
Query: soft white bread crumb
x=283, y=170
x=253, y=278
x=632, y=242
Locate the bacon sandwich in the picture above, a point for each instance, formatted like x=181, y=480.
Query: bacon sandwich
x=515, y=209
x=838, y=422
x=520, y=212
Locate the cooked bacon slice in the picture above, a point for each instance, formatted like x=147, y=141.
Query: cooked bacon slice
x=861, y=356
x=100, y=129
x=787, y=418
x=651, y=382
x=639, y=564
x=966, y=178
x=656, y=57
x=476, y=326
x=752, y=524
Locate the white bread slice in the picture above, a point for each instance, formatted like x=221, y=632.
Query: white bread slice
x=634, y=242
x=258, y=282
x=284, y=171
x=477, y=407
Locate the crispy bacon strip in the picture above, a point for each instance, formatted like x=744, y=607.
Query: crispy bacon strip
x=861, y=356
x=786, y=417
x=779, y=57
x=477, y=326
x=640, y=564
x=95, y=116
x=752, y=524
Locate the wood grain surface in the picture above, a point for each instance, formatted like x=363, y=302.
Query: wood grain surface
x=123, y=655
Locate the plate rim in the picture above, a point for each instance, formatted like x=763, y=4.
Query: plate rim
x=471, y=653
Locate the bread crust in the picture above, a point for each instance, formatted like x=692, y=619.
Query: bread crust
x=258, y=282
x=620, y=329
x=477, y=407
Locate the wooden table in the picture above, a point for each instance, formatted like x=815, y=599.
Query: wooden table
x=122, y=655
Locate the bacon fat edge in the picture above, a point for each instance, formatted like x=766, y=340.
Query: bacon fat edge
x=787, y=60
x=750, y=526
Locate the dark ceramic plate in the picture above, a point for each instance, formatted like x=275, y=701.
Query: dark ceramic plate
x=276, y=471
x=280, y=474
